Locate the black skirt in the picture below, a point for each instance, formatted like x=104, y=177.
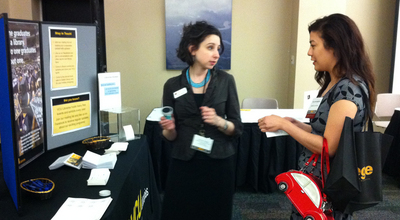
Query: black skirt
x=201, y=188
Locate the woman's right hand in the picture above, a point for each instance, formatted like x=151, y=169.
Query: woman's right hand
x=167, y=124
x=299, y=124
x=292, y=120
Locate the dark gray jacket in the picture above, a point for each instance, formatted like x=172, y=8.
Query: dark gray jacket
x=221, y=95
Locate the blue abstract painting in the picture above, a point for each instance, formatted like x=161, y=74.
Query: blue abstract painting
x=180, y=12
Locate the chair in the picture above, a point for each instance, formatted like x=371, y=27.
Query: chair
x=259, y=103
x=385, y=107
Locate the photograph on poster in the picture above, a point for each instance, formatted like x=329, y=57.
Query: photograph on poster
x=27, y=88
x=180, y=12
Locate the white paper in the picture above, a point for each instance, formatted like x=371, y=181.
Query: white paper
x=109, y=90
x=155, y=115
x=129, y=133
x=252, y=116
x=107, y=161
x=82, y=209
x=92, y=160
x=119, y=146
x=59, y=162
x=98, y=177
x=308, y=97
x=63, y=160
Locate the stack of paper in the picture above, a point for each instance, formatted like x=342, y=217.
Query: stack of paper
x=72, y=160
x=80, y=208
x=98, y=177
x=92, y=160
x=117, y=147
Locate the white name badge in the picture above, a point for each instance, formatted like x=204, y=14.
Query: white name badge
x=313, y=107
x=180, y=93
x=202, y=144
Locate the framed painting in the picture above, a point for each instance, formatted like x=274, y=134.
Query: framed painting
x=181, y=12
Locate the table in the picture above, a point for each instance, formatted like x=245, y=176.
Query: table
x=129, y=180
x=258, y=160
x=392, y=164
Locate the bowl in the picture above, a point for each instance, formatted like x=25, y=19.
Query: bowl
x=41, y=188
x=96, y=143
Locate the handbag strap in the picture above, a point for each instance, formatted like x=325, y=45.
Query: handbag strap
x=313, y=157
x=324, y=161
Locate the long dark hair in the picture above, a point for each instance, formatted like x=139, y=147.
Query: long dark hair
x=341, y=34
x=194, y=34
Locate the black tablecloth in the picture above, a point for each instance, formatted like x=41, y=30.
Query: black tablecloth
x=131, y=177
x=392, y=164
x=258, y=160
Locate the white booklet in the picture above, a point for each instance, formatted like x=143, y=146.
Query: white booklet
x=73, y=160
x=98, y=177
x=117, y=147
x=92, y=160
x=82, y=209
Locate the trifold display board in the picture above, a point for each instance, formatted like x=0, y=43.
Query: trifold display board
x=69, y=70
x=49, y=97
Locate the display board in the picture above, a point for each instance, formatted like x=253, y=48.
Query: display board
x=70, y=75
x=8, y=153
x=21, y=99
x=49, y=98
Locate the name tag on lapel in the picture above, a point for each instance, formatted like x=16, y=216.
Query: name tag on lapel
x=180, y=93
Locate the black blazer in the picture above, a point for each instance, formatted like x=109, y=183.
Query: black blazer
x=221, y=95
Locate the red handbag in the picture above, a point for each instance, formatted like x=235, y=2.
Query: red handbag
x=305, y=190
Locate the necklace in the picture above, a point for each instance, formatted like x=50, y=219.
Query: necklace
x=200, y=84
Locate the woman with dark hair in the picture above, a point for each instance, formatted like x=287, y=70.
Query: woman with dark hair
x=205, y=123
x=343, y=70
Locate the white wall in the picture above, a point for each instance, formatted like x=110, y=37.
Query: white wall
x=375, y=20
x=261, y=47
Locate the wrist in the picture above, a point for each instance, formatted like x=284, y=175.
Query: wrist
x=222, y=124
x=285, y=125
x=225, y=127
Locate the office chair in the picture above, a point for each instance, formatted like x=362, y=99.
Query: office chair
x=385, y=107
x=259, y=103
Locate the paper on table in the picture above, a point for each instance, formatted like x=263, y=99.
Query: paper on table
x=72, y=160
x=98, y=177
x=118, y=146
x=82, y=209
x=59, y=162
x=155, y=115
x=92, y=160
x=252, y=116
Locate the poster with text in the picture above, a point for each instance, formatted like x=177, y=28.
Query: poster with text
x=109, y=90
x=27, y=89
x=63, y=58
x=70, y=113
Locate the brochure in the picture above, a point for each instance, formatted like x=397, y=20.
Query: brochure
x=72, y=160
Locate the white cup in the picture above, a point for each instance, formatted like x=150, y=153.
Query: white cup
x=167, y=112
